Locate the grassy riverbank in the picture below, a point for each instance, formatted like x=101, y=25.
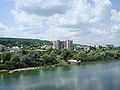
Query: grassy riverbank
x=33, y=68
x=50, y=66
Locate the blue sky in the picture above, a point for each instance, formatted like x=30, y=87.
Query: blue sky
x=91, y=22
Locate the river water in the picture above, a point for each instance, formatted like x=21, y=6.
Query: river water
x=89, y=76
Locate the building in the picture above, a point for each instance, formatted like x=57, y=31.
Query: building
x=46, y=46
x=85, y=47
x=109, y=46
x=68, y=44
x=14, y=49
x=2, y=48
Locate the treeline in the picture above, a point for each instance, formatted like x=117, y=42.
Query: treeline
x=23, y=42
x=26, y=58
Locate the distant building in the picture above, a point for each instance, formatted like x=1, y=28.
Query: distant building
x=2, y=48
x=109, y=46
x=85, y=47
x=14, y=49
x=68, y=44
x=74, y=61
x=46, y=46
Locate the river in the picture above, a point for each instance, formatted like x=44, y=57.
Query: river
x=88, y=76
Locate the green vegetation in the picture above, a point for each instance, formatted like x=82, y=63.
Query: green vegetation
x=23, y=42
x=24, y=58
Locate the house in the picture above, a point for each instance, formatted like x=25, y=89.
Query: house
x=74, y=61
x=14, y=49
x=2, y=48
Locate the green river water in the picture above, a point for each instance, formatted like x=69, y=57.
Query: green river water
x=89, y=76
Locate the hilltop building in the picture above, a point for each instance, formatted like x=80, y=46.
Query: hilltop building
x=2, y=48
x=109, y=46
x=68, y=44
x=14, y=49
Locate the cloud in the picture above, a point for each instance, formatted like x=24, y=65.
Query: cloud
x=2, y=26
x=116, y=19
x=52, y=34
x=98, y=31
x=43, y=7
x=6, y=31
x=26, y=19
x=100, y=11
x=116, y=28
x=84, y=21
x=83, y=12
x=115, y=16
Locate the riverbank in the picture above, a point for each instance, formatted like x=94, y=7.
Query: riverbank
x=32, y=68
x=47, y=66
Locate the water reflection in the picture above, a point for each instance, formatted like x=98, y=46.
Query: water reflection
x=96, y=76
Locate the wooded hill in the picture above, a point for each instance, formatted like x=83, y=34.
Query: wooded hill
x=24, y=42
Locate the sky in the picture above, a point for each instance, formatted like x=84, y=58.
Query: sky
x=87, y=22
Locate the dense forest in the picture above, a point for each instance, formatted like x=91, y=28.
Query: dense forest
x=25, y=58
x=23, y=42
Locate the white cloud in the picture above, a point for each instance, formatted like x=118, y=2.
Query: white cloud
x=2, y=26
x=79, y=20
x=53, y=34
x=100, y=11
x=116, y=28
x=43, y=7
x=84, y=12
x=25, y=19
x=6, y=31
x=116, y=19
x=75, y=11
x=98, y=31
x=115, y=16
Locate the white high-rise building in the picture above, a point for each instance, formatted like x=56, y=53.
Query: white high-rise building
x=68, y=44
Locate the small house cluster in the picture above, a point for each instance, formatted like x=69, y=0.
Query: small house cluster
x=10, y=49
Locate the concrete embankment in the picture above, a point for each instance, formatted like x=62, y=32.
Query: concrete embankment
x=24, y=69
x=21, y=69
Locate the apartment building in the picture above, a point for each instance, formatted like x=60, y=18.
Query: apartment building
x=68, y=44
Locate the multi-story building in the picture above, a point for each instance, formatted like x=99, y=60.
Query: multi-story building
x=68, y=44
x=2, y=48
x=109, y=46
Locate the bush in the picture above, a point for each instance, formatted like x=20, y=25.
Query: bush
x=2, y=66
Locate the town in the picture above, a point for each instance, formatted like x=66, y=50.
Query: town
x=22, y=53
x=67, y=44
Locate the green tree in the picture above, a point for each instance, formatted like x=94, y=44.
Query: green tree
x=66, y=54
x=31, y=59
x=15, y=60
x=49, y=60
x=6, y=56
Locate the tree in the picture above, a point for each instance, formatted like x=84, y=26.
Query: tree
x=24, y=51
x=31, y=59
x=6, y=56
x=26, y=60
x=49, y=60
x=0, y=58
x=2, y=66
x=66, y=54
x=15, y=60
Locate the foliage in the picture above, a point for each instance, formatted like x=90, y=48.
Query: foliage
x=49, y=59
x=66, y=54
x=6, y=56
x=24, y=42
x=31, y=58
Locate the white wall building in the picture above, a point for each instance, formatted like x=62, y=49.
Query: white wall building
x=68, y=44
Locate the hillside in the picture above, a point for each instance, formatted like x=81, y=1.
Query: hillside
x=22, y=41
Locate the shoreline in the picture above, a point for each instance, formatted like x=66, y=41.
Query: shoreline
x=30, y=68
x=43, y=67
x=22, y=69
